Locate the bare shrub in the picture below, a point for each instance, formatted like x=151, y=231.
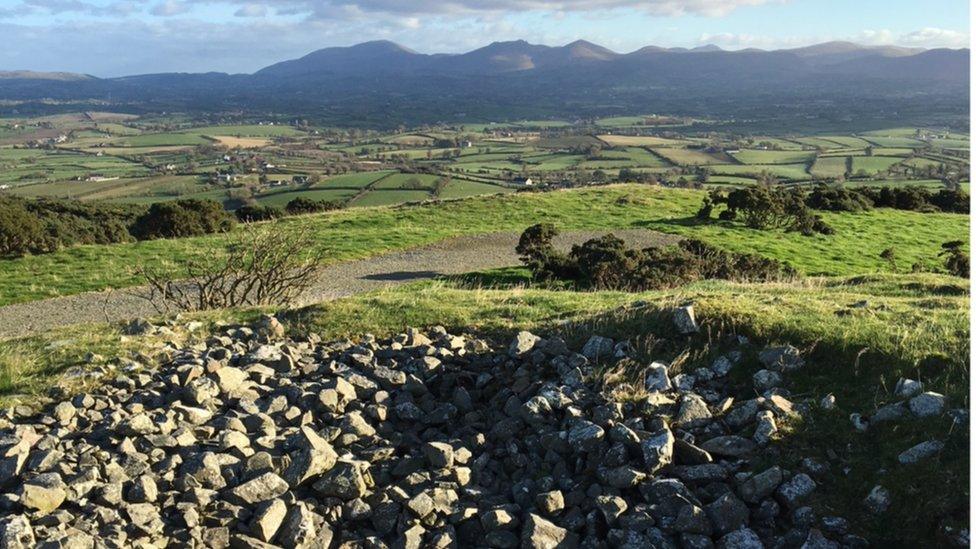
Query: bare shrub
x=260, y=265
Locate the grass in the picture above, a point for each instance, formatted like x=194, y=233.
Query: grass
x=829, y=166
x=357, y=233
x=773, y=157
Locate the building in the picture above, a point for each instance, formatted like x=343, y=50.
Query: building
x=525, y=181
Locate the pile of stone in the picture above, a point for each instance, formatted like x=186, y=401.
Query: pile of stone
x=421, y=440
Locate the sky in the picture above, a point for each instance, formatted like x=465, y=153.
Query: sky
x=123, y=37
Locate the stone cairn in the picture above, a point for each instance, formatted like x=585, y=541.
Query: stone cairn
x=422, y=440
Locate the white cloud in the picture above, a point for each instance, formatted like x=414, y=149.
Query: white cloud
x=930, y=37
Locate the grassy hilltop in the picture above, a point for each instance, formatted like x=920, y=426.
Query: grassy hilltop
x=358, y=233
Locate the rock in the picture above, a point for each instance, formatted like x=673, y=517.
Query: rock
x=762, y=485
x=795, y=491
x=781, y=359
x=927, y=404
x=265, y=487
x=344, y=481
x=43, y=493
x=611, y=507
x=727, y=513
x=743, y=538
x=907, y=388
x=658, y=450
x=692, y=519
x=878, y=500
x=828, y=402
x=314, y=457
x=722, y=366
x=693, y=409
x=523, y=344
x=539, y=533
x=684, y=320
x=145, y=516
x=763, y=380
x=439, y=454
x=597, y=348
x=299, y=530
x=860, y=424
x=887, y=413
x=550, y=502
x=920, y=451
x=584, y=434
x=269, y=327
x=143, y=490
x=16, y=533
x=64, y=412
x=656, y=378
x=268, y=519
x=498, y=519
x=765, y=427
x=729, y=446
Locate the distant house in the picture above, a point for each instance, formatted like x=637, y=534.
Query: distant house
x=94, y=178
x=227, y=177
x=467, y=144
x=300, y=179
x=525, y=181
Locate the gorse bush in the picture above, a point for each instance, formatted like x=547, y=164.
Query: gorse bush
x=606, y=263
x=41, y=226
x=303, y=205
x=956, y=259
x=182, y=218
x=838, y=199
x=766, y=208
x=253, y=213
x=536, y=251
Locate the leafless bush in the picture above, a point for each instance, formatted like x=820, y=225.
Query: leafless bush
x=260, y=265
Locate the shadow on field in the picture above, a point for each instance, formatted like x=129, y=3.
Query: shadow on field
x=403, y=275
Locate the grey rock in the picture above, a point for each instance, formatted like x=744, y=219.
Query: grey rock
x=523, y=344
x=927, y=404
x=658, y=450
x=684, y=320
x=656, y=378
x=743, y=538
x=878, y=500
x=796, y=490
x=729, y=446
x=781, y=359
x=921, y=451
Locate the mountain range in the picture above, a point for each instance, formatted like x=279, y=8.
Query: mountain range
x=383, y=79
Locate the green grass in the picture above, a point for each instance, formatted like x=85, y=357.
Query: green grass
x=773, y=157
x=387, y=197
x=792, y=172
x=689, y=157
x=356, y=233
x=873, y=164
x=829, y=166
x=459, y=188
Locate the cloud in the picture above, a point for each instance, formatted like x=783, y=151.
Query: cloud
x=923, y=38
x=936, y=38
x=252, y=10
x=169, y=8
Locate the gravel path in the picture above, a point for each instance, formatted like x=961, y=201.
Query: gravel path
x=447, y=257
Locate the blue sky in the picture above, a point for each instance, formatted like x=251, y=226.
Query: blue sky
x=118, y=37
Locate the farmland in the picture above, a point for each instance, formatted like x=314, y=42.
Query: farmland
x=142, y=160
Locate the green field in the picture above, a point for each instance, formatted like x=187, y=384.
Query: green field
x=873, y=164
x=387, y=197
x=459, y=188
x=773, y=157
x=829, y=166
x=689, y=157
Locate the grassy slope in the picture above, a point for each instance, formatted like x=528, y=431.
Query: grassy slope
x=363, y=232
